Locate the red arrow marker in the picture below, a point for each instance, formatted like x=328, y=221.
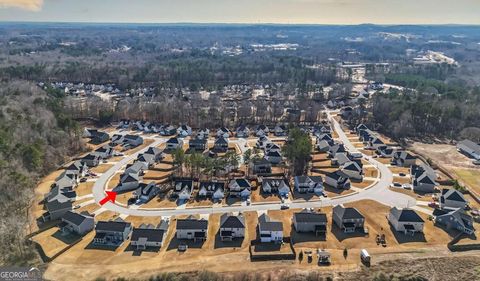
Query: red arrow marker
x=111, y=195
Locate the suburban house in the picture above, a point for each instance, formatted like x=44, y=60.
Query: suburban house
x=261, y=131
x=308, y=184
x=274, y=157
x=337, y=180
x=148, y=160
x=155, y=152
x=242, y=132
x=324, y=136
x=375, y=143
x=192, y=229
x=128, y=182
x=262, y=142
x=104, y=152
x=203, y=133
x=239, y=188
x=454, y=219
x=98, y=137
x=60, y=194
x=325, y=145
x=336, y=148
x=261, y=166
x=146, y=235
x=469, y=148
x=347, y=219
x=174, y=143
x=136, y=168
x=197, y=144
x=56, y=209
x=117, y=139
x=275, y=185
x=184, y=131
x=340, y=159
x=405, y=220
x=452, y=198
x=403, y=159
x=183, y=189
x=167, y=130
x=132, y=140
x=310, y=221
x=211, y=189
x=321, y=129
x=423, y=178
x=269, y=147
x=385, y=152
x=223, y=132
x=91, y=160
x=113, y=232
x=232, y=226
x=270, y=231
x=77, y=168
x=78, y=223
x=220, y=145
x=280, y=131
x=66, y=180
x=146, y=192
x=352, y=170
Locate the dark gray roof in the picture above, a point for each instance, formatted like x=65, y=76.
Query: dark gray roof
x=114, y=226
x=265, y=223
x=310, y=217
x=74, y=218
x=347, y=213
x=152, y=234
x=231, y=221
x=405, y=215
x=57, y=205
x=452, y=194
x=242, y=182
x=471, y=145
x=192, y=224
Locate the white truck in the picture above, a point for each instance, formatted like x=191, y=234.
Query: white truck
x=365, y=256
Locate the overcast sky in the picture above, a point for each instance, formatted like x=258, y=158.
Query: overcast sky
x=244, y=11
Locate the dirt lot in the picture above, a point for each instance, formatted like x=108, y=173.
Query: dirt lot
x=84, y=188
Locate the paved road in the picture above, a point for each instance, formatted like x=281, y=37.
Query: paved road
x=378, y=192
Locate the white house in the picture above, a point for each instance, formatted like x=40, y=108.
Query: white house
x=174, y=143
x=79, y=223
x=192, y=229
x=452, y=198
x=232, y=226
x=270, y=231
x=239, y=188
x=405, y=220
x=308, y=184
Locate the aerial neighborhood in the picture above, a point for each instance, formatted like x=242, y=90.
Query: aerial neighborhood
x=238, y=187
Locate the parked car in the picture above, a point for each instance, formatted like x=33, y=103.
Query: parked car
x=76, y=207
x=83, y=179
x=433, y=205
x=407, y=186
x=395, y=184
x=284, y=207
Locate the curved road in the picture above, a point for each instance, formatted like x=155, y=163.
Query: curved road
x=379, y=191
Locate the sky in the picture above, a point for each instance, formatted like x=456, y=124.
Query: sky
x=244, y=11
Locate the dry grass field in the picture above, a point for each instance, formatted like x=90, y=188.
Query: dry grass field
x=102, y=168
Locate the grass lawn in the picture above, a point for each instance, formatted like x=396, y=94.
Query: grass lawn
x=470, y=177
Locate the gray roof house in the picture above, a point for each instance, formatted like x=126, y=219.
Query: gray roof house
x=79, y=223
x=146, y=192
x=337, y=180
x=133, y=140
x=403, y=159
x=469, y=148
x=192, y=229
x=212, y=189
x=275, y=186
x=183, y=189
x=310, y=221
x=347, y=219
x=220, y=145
x=261, y=166
x=242, y=131
x=452, y=198
x=280, y=130
x=352, y=170
x=239, y=188
x=232, y=226
x=146, y=235
x=112, y=233
x=78, y=168
x=274, y=157
x=270, y=231
x=128, y=182
x=174, y=143
x=454, y=219
x=423, y=178
x=156, y=152
x=197, y=144
x=405, y=220
x=56, y=209
x=308, y=184
x=91, y=160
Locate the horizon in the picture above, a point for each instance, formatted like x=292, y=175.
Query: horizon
x=290, y=12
